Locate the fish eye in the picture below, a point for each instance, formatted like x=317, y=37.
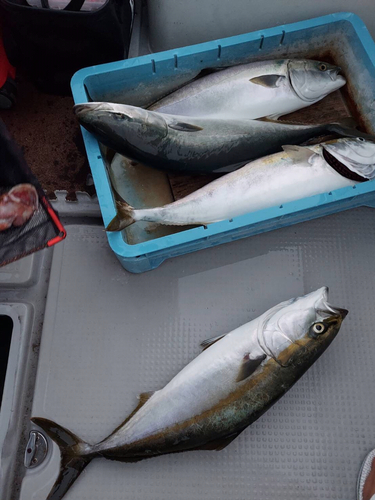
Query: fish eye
x=318, y=329
x=361, y=139
x=322, y=67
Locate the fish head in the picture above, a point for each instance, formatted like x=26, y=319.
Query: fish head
x=356, y=153
x=313, y=80
x=118, y=123
x=299, y=327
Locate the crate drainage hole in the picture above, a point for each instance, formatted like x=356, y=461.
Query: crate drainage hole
x=6, y=328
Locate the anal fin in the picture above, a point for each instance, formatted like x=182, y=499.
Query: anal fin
x=142, y=399
x=144, y=396
x=218, y=444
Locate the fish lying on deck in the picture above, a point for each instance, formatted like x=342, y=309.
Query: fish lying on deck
x=236, y=378
x=254, y=90
x=296, y=173
x=17, y=206
x=191, y=144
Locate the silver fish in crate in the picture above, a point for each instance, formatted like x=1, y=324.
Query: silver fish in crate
x=296, y=173
x=254, y=90
x=191, y=144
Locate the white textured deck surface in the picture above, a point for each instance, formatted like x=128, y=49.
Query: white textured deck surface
x=109, y=335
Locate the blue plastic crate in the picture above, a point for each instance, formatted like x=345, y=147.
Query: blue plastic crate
x=342, y=37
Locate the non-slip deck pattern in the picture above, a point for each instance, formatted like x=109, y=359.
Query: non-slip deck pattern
x=109, y=335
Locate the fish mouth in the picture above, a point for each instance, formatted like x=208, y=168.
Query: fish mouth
x=339, y=79
x=326, y=309
x=335, y=312
x=343, y=312
x=334, y=74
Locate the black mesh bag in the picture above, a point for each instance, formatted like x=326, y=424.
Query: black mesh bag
x=44, y=229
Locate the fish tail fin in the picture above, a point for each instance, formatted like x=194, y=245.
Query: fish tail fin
x=75, y=456
x=347, y=127
x=124, y=217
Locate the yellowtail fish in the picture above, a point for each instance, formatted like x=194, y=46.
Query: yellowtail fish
x=194, y=144
x=297, y=172
x=255, y=90
x=236, y=378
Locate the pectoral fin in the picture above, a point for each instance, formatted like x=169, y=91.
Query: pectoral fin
x=184, y=127
x=270, y=81
x=298, y=152
x=208, y=342
x=249, y=366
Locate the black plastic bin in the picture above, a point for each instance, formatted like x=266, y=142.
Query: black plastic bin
x=51, y=45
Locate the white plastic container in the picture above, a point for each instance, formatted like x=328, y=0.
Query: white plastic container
x=176, y=23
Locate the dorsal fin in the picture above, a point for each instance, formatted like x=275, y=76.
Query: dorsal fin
x=208, y=342
x=298, y=152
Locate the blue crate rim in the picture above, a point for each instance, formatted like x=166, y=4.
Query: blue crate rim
x=356, y=21
x=127, y=251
